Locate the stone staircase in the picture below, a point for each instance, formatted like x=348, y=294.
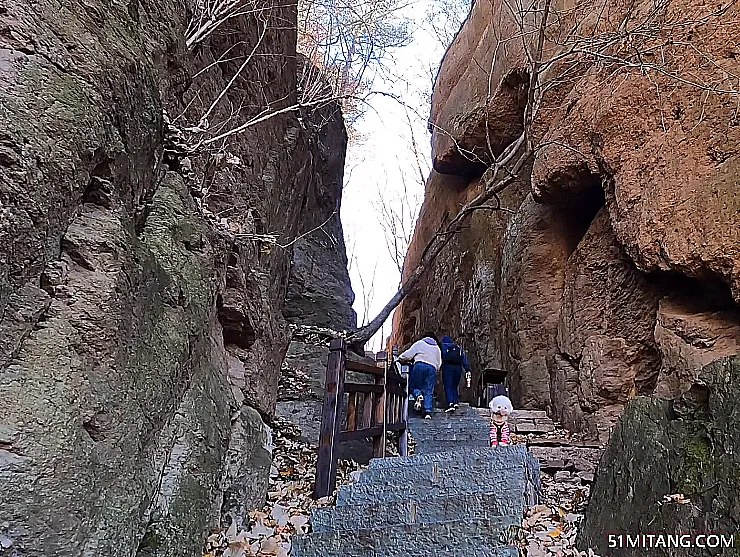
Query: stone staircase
x=455, y=496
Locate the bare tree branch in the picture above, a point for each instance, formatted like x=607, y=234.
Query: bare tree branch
x=509, y=164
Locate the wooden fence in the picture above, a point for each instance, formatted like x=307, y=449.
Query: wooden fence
x=372, y=410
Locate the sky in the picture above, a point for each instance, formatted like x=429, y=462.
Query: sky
x=378, y=164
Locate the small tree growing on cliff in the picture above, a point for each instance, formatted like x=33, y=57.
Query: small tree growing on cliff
x=561, y=46
x=347, y=40
x=344, y=41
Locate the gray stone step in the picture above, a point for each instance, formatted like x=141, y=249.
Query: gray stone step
x=446, y=446
x=478, y=465
x=481, y=538
x=502, y=455
x=440, y=419
x=505, y=481
x=430, y=511
x=461, y=436
x=447, y=432
x=462, y=412
x=447, y=425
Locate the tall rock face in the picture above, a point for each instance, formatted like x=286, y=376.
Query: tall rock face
x=612, y=270
x=319, y=297
x=691, y=446
x=141, y=287
x=319, y=289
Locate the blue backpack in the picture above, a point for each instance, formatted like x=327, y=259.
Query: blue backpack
x=452, y=354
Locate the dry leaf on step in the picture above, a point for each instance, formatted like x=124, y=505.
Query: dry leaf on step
x=259, y=530
x=270, y=547
x=298, y=522
x=555, y=533
x=239, y=551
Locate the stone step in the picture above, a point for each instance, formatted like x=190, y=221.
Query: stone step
x=502, y=455
x=429, y=511
x=531, y=426
x=419, y=427
x=529, y=415
x=460, y=414
x=452, y=416
x=447, y=423
x=480, y=538
x=445, y=417
x=568, y=457
x=442, y=446
x=524, y=421
x=463, y=410
x=429, y=471
x=462, y=436
x=505, y=481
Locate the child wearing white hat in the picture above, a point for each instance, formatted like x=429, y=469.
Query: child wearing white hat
x=501, y=408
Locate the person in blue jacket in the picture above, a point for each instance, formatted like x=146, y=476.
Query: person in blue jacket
x=454, y=360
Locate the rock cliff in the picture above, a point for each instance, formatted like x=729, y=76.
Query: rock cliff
x=661, y=448
x=613, y=269
x=141, y=294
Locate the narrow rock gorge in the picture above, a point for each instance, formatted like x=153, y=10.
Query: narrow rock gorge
x=171, y=254
x=148, y=272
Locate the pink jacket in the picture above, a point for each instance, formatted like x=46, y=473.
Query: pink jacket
x=500, y=434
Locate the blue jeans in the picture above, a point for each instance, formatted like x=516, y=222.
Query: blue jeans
x=422, y=380
x=451, y=375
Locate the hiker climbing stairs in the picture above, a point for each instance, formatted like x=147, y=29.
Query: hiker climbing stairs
x=455, y=496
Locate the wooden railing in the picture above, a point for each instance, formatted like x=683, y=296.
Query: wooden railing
x=372, y=410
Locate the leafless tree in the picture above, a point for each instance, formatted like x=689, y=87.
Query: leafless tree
x=561, y=46
x=445, y=18
x=343, y=40
x=397, y=217
x=348, y=40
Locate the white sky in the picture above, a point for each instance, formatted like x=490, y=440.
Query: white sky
x=375, y=165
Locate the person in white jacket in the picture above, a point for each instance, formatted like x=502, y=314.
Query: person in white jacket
x=427, y=358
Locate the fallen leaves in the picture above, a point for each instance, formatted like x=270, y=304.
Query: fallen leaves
x=270, y=530
x=555, y=533
x=550, y=529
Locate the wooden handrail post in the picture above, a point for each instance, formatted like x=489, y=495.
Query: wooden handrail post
x=403, y=438
x=331, y=419
x=380, y=416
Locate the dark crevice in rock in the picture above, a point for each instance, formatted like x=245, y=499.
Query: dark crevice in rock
x=97, y=426
x=100, y=189
x=710, y=292
x=150, y=544
x=693, y=404
x=582, y=214
x=237, y=328
x=232, y=260
x=142, y=214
